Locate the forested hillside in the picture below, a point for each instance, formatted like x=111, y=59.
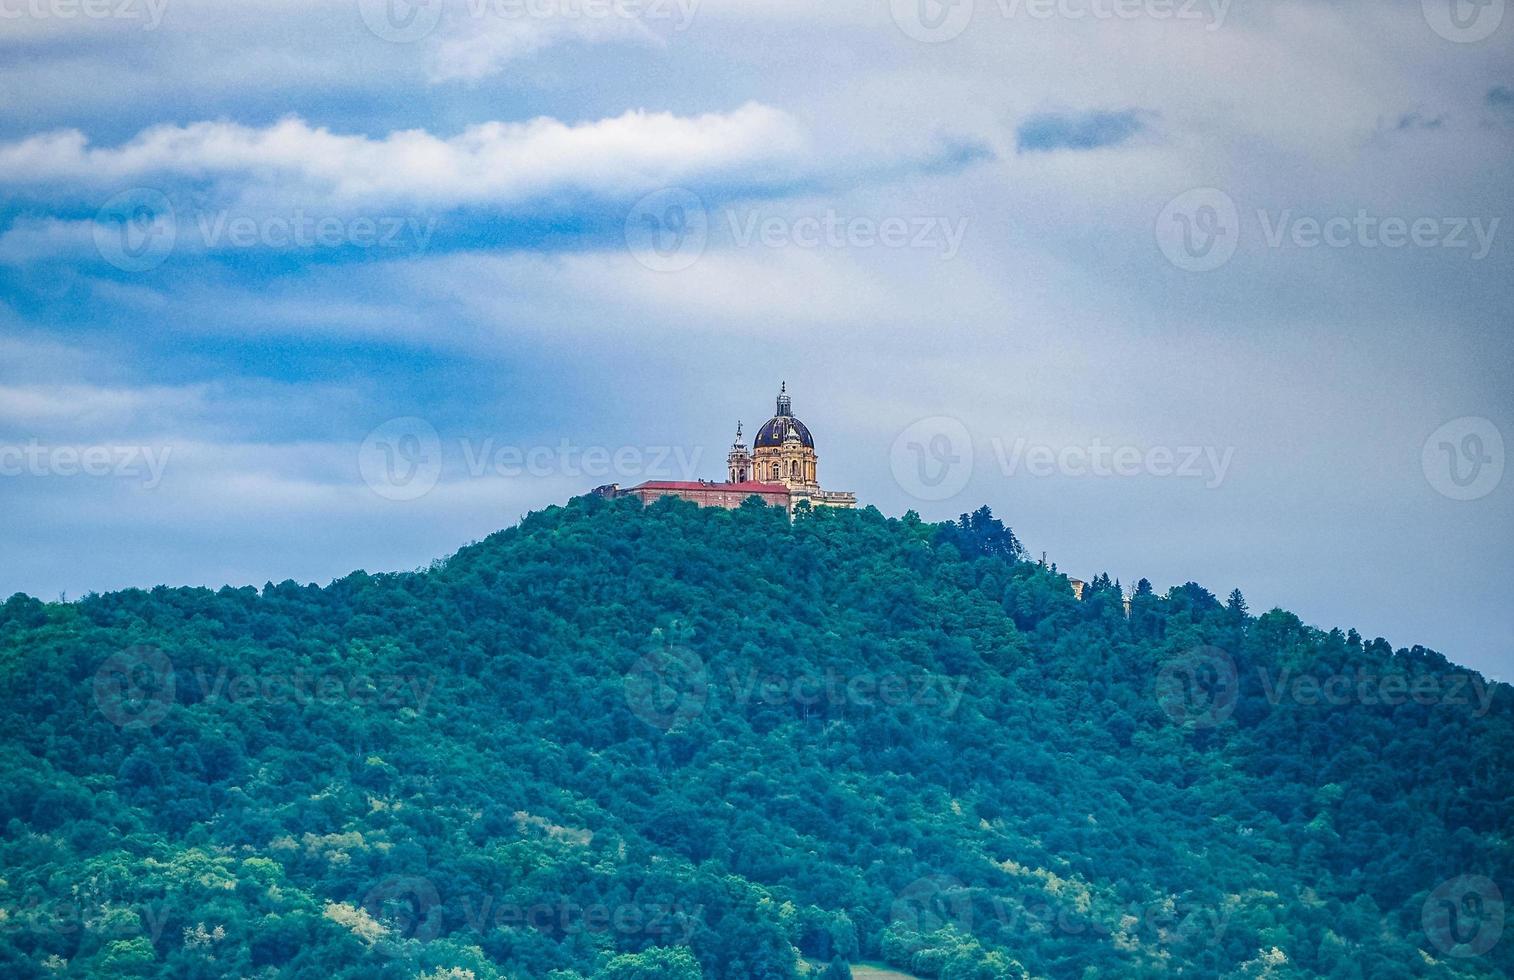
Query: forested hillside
x=616, y=742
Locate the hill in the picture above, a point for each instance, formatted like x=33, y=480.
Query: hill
x=672, y=742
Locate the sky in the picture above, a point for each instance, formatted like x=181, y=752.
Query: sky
x=1190, y=290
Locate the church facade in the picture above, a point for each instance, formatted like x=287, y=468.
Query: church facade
x=781, y=469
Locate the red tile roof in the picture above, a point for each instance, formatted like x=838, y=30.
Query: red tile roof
x=750, y=486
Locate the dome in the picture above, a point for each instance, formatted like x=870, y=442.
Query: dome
x=776, y=428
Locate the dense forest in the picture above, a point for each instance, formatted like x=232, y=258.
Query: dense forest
x=667, y=742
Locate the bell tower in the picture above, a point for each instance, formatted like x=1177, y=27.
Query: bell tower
x=738, y=461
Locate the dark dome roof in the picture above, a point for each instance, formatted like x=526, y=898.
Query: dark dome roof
x=773, y=431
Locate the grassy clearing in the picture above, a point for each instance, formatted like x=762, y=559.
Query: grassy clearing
x=862, y=971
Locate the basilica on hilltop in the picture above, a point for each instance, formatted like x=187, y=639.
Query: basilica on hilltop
x=781, y=469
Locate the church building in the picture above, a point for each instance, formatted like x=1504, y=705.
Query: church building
x=781, y=469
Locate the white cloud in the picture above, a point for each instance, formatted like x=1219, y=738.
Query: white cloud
x=473, y=48
x=87, y=405
x=488, y=163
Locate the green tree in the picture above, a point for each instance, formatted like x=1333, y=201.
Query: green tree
x=653, y=964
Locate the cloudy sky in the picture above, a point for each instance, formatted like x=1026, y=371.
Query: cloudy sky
x=1199, y=291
